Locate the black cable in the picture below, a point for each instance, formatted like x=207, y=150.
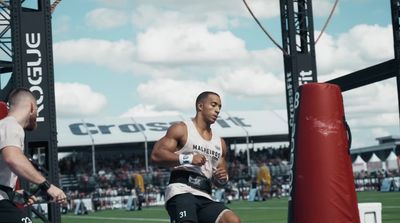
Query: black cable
x=263, y=29
x=327, y=20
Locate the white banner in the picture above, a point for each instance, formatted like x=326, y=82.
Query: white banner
x=80, y=132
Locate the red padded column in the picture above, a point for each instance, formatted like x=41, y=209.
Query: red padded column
x=324, y=189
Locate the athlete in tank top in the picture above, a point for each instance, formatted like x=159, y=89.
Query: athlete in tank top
x=197, y=158
x=195, y=144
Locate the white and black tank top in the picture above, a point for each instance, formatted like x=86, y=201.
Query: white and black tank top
x=196, y=144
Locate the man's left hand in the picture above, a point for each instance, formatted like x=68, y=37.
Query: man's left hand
x=220, y=176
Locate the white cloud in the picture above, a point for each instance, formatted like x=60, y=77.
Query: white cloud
x=158, y=53
x=61, y=25
x=250, y=82
x=374, y=98
x=377, y=120
x=78, y=100
x=188, y=44
x=269, y=59
x=143, y=110
x=169, y=94
x=213, y=14
x=115, y=3
x=104, y=18
x=371, y=111
x=361, y=47
x=150, y=16
x=324, y=7
x=371, y=42
x=263, y=9
x=116, y=55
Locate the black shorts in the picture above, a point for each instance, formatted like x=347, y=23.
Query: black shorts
x=10, y=213
x=190, y=208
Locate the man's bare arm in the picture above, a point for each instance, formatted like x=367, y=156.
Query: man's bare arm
x=221, y=173
x=164, y=150
x=20, y=165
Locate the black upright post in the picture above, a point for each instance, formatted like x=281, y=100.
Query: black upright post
x=395, y=8
x=32, y=61
x=299, y=62
x=298, y=43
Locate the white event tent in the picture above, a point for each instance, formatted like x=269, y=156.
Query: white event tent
x=359, y=164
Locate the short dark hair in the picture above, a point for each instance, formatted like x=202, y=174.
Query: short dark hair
x=13, y=96
x=203, y=95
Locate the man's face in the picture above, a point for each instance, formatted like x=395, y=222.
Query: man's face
x=211, y=106
x=32, y=124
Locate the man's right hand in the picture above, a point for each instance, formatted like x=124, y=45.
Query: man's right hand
x=199, y=160
x=57, y=194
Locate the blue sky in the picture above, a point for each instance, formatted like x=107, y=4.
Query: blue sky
x=152, y=57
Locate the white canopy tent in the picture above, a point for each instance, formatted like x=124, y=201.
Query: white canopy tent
x=391, y=162
x=374, y=163
x=359, y=164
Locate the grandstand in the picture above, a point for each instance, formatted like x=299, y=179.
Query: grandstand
x=135, y=135
x=117, y=164
x=118, y=147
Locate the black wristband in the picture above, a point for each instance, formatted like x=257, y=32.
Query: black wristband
x=44, y=186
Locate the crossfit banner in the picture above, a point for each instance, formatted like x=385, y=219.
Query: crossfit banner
x=80, y=132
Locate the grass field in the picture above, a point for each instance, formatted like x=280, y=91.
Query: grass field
x=270, y=211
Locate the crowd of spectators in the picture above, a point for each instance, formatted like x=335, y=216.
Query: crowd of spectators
x=372, y=180
x=116, y=175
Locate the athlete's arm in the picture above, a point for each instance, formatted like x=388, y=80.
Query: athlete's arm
x=22, y=167
x=221, y=173
x=164, y=150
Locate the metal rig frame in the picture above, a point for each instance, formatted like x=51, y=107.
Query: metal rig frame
x=26, y=43
x=300, y=65
x=298, y=43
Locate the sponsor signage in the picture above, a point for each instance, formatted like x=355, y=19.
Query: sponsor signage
x=125, y=130
x=36, y=68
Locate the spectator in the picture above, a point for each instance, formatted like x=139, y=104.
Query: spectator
x=264, y=180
